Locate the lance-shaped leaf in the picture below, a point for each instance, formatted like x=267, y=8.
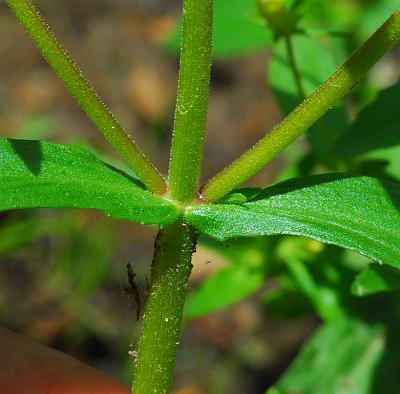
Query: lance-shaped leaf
x=48, y=175
x=231, y=285
x=344, y=356
x=376, y=128
x=376, y=279
x=358, y=213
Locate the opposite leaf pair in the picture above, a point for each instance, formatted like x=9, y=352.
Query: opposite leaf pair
x=354, y=212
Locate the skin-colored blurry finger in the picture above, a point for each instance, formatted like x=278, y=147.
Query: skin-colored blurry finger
x=27, y=367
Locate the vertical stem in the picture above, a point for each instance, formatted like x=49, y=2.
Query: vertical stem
x=293, y=65
x=88, y=99
x=192, y=100
x=174, y=244
x=171, y=268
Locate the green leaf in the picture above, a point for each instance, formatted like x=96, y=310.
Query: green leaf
x=373, y=14
x=316, y=272
x=227, y=287
x=376, y=127
x=341, y=357
x=392, y=158
x=376, y=279
x=358, y=213
x=237, y=29
x=338, y=15
x=358, y=18
x=286, y=304
x=48, y=175
x=245, y=275
x=314, y=70
x=80, y=261
x=354, y=354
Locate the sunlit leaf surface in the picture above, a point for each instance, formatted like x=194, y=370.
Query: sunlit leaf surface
x=358, y=213
x=48, y=175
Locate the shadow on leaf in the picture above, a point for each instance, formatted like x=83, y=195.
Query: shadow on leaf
x=30, y=152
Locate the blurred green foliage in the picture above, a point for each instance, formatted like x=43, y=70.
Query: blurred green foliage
x=245, y=275
x=376, y=279
x=238, y=29
x=346, y=355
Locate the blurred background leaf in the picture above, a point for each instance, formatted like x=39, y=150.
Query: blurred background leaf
x=340, y=358
x=246, y=273
x=375, y=279
x=313, y=71
x=238, y=30
x=353, y=354
x=375, y=128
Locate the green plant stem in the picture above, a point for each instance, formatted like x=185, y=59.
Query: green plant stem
x=192, y=100
x=307, y=113
x=171, y=268
x=84, y=93
x=293, y=65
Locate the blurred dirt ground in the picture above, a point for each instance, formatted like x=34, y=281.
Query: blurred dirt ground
x=118, y=44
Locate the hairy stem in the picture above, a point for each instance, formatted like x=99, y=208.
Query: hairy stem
x=307, y=113
x=192, y=100
x=171, y=268
x=84, y=93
